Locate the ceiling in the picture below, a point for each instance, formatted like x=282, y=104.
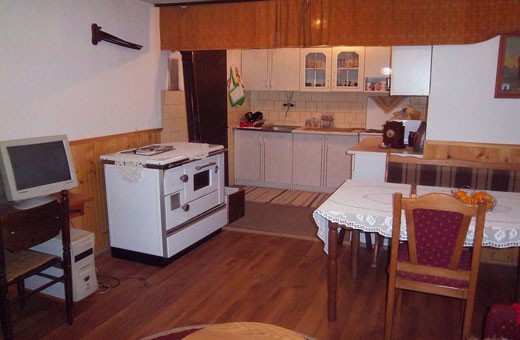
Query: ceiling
x=159, y=3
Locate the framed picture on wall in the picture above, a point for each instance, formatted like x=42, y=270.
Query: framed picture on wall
x=508, y=70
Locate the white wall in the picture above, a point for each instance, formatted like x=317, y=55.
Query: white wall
x=462, y=106
x=55, y=81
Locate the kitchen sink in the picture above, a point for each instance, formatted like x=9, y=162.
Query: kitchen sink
x=333, y=129
x=280, y=128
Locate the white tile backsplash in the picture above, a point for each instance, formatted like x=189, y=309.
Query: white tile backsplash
x=348, y=108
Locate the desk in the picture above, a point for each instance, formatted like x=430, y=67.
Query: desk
x=76, y=204
x=367, y=206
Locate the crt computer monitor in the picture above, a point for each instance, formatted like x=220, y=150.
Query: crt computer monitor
x=33, y=169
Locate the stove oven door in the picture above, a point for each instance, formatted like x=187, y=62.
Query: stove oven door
x=201, y=178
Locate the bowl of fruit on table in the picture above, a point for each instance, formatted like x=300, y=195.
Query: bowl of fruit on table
x=475, y=197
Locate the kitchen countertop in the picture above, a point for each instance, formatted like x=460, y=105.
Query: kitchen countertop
x=311, y=130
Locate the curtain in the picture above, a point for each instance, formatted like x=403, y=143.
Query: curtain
x=300, y=23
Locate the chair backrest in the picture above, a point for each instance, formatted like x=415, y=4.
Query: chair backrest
x=437, y=226
x=23, y=229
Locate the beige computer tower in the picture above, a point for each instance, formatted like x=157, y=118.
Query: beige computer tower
x=84, y=280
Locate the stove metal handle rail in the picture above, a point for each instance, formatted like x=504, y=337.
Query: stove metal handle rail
x=200, y=167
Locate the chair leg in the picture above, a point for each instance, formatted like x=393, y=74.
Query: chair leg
x=368, y=240
x=390, y=306
x=468, y=315
x=20, y=288
x=5, y=313
x=69, y=303
x=398, y=307
x=354, y=252
x=341, y=235
x=377, y=249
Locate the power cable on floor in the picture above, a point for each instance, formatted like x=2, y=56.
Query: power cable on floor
x=106, y=281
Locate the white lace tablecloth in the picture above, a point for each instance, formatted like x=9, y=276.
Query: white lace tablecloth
x=367, y=206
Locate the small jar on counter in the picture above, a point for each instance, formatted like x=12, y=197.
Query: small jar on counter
x=327, y=121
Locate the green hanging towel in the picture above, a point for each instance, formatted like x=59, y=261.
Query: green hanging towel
x=235, y=88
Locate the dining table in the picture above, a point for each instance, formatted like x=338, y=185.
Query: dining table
x=367, y=206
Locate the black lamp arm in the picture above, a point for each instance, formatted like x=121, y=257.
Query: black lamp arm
x=98, y=35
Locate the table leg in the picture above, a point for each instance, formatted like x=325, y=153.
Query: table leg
x=332, y=271
x=354, y=252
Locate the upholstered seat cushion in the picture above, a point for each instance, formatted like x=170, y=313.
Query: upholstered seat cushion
x=23, y=261
x=464, y=264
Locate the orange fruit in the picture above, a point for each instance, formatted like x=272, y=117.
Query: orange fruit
x=466, y=199
x=460, y=194
x=480, y=195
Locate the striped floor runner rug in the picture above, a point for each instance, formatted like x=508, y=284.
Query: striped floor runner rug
x=288, y=197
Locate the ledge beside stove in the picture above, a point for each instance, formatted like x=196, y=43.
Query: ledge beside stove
x=374, y=144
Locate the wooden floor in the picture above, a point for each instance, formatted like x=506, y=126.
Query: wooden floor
x=239, y=276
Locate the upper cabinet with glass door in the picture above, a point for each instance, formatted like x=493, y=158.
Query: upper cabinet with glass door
x=332, y=69
x=348, y=68
x=377, y=69
x=316, y=69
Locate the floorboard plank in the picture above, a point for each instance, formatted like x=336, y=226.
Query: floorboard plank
x=239, y=276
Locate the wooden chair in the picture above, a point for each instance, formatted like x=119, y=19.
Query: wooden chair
x=434, y=259
x=21, y=230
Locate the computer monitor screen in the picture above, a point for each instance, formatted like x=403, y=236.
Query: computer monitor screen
x=35, y=168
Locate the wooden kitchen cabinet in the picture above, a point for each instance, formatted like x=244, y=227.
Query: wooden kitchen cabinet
x=348, y=64
x=315, y=65
x=263, y=158
x=277, y=159
x=247, y=156
x=411, y=69
x=338, y=162
x=320, y=161
x=368, y=166
x=332, y=69
x=307, y=161
x=377, y=68
x=271, y=69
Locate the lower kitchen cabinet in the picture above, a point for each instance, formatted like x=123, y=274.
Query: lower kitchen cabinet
x=320, y=161
x=263, y=158
x=369, y=166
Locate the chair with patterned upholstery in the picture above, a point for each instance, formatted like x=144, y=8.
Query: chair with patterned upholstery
x=433, y=259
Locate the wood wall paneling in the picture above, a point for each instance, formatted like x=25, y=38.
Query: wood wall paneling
x=480, y=152
x=89, y=171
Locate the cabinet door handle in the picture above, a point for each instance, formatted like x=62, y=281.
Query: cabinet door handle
x=325, y=159
x=322, y=165
x=186, y=207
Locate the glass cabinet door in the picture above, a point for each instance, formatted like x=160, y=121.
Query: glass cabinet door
x=316, y=66
x=348, y=65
